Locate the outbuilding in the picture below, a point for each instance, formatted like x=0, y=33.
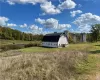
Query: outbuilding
x=55, y=40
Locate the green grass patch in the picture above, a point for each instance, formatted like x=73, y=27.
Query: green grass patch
x=38, y=49
x=88, y=65
x=85, y=47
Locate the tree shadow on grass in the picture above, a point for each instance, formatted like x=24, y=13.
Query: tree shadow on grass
x=95, y=52
x=97, y=45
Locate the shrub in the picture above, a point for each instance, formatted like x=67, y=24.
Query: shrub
x=37, y=44
x=19, y=46
x=14, y=46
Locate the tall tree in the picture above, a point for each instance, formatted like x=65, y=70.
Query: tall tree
x=12, y=34
x=95, y=32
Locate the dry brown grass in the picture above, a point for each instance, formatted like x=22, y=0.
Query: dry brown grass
x=36, y=66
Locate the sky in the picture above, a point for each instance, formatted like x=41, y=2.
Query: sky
x=47, y=16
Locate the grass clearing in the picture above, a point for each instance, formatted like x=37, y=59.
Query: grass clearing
x=76, y=62
x=88, y=47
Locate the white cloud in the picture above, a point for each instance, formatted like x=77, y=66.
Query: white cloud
x=11, y=25
x=41, y=21
x=67, y=4
x=63, y=26
x=60, y=1
x=35, y=28
x=23, y=26
x=49, y=23
x=73, y=13
x=10, y=2
x=25, y=1
x=79, y=5
x=45, y=5
x=85, y=21
x=52, y=23
x=48, y=8
x=3, y=20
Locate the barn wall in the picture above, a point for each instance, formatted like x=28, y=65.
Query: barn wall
x=50, y=44
x=63, y=40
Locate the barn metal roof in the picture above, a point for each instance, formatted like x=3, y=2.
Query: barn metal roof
x=54, y=37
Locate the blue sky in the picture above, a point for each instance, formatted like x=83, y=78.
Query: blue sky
x=45, y=16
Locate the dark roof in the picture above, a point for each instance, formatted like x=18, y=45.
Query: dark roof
x=54, y=37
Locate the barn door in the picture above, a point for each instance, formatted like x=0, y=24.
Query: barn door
x=63, y=45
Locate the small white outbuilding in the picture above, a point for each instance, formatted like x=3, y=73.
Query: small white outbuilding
x=55, y=40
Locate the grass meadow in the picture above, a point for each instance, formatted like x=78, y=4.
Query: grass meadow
x=85, y=47
x=76, y=62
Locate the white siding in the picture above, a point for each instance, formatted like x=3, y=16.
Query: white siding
x=63, y=40
x=50, y=44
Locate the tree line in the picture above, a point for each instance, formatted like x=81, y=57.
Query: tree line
x=92, y=36
x=95, y=32
x=12, y=34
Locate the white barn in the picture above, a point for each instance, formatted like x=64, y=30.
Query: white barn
x=55, y=40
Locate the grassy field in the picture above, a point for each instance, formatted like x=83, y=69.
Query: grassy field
x=85, y=47
x=76, y=62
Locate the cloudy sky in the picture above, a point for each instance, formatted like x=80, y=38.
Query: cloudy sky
x=45, y=16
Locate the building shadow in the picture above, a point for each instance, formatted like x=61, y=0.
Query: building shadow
x=95, y=52
x=47, y=47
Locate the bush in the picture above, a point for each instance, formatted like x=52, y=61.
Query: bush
x=9, y=47
x=37, y=44
x=29, y=45
x=19, y=46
